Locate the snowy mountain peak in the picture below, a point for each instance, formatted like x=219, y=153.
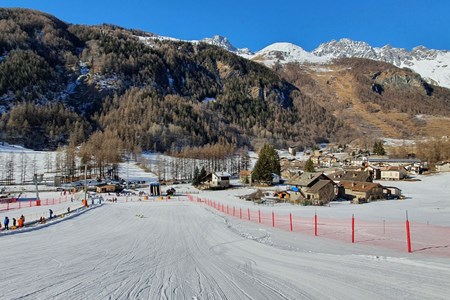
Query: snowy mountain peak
x=283, y=47
x=285, y=53
x=220, y=41
x=432, y=65
x=345, y=48
x=224, y=43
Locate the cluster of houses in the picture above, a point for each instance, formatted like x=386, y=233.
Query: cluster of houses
x=343, y=176
x=318, y=188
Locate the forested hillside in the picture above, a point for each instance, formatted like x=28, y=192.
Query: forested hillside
x=62, y=82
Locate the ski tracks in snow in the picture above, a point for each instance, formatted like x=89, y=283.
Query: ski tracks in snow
x=180, y=250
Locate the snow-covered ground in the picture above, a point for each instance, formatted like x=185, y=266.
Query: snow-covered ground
x=180, y=249
x=177, y=249
x=184, y=250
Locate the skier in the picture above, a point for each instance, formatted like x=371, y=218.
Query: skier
x=51, y=213
x=14, y=223
x=6, y=223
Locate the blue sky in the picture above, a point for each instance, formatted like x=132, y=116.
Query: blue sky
x=256, y=24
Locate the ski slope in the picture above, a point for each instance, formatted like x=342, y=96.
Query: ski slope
x=183, y=250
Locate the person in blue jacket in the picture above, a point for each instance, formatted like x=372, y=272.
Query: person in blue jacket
x=6, y=223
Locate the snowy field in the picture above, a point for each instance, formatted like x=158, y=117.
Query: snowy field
x=180, y=249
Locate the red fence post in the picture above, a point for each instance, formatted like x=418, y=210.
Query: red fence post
x=353, y=228
x=315, y=224
x=290, y=220
x=234, y=211
x=408, y=233
x=240, y=213
x=259, y=216
x=273, y=219
x=228, y=210
x=248, y=212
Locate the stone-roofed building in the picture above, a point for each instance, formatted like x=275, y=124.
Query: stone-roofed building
x=315, y=188
x=360, y=192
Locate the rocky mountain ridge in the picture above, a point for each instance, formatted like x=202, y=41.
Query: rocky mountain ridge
x=433, y=65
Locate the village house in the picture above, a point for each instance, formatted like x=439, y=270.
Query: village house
x=329, y=161
x=106, y=188
x=360, y=192
x=276, y=179
x=443, y=166
x=374, y=170
x=392, y=192
x=289, y=172
x=353, y=175
x=315, y=188
x=316, y=157
x=245, y=176
x=359, y=161
x=396, y=162
x=393, y=173
x=217, y=180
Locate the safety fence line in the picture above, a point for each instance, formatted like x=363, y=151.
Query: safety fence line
x=31, y=203
x=386, y=234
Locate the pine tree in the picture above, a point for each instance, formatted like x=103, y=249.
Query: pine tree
x=268, y=163
x=202, y=174
x=378, y=148
x=309, y=166
x=196, y=177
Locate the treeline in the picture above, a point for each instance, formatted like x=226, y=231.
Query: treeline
x=48, y=125
x=431, y=151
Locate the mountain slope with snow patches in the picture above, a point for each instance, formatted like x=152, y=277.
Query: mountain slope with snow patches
x=432, y=65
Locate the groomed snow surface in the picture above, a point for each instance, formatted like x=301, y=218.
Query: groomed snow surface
x=181, y=249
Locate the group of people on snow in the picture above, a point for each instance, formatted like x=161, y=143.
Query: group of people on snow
x=15, y=223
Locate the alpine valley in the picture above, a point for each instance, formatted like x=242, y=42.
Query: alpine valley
x=62, y=82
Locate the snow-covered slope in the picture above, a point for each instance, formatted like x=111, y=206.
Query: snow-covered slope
x=216, y=40
x=286, y=53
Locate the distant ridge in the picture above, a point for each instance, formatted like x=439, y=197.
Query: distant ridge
x=433, y=65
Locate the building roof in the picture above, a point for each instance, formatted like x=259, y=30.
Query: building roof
x=395, y=160
x=245, y=173
x=352, y=175
x=305, y=179
x=222, y=174
x=317, y=186
x=359, y=186
x=392, y=168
